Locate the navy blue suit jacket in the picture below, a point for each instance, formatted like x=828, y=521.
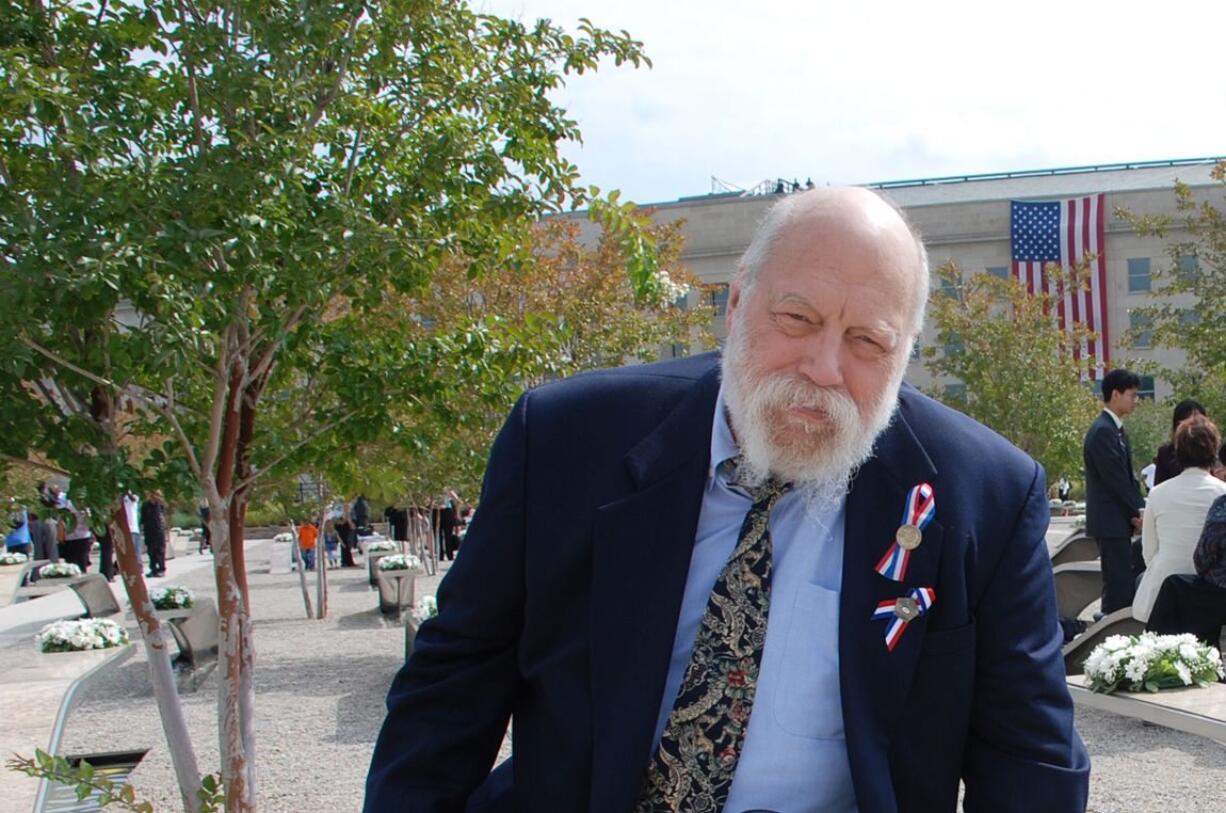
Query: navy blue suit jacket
x=561, y=610
x=1112, y=496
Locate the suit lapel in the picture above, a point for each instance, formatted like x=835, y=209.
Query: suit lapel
x=874, y=680
x=641, y=557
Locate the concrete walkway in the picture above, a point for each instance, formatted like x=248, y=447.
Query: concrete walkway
x=37, y=691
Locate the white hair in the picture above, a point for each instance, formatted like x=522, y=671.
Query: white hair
x=787, y=211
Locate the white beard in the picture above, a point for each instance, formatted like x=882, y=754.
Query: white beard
x=817, y=458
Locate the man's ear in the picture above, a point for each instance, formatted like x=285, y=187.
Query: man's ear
x=734, y=301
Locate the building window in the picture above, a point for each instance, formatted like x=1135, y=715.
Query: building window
x=1001, y=271
x=678, y=350
x=1138, y=274
x=1189, y=317
x=1146, y=390
x=915, y=350
x=953, y=344
x=1188, y=267
x=1141, y=326
x=719, y=298
x=951, y=287
x=955, y=393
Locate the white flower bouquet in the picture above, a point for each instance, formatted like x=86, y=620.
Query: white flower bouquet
x=427, y=607
x=59, y=570
x=80, y=635
x=381, y=545
x=400, y=561
x=1151, y=662
x=172, y=597
x=12, y=557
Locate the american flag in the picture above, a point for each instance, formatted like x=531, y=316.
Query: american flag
x=1064, y=232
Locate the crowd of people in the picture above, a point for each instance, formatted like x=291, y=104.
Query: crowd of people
x=53, y=528
x=1163, y=556
x=445, y=523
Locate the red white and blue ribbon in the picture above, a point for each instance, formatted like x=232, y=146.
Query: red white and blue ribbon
x=924, y=598
x=919, y=509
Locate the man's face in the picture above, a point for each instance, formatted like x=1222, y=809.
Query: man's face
x=817, y=346
x=1123, y=402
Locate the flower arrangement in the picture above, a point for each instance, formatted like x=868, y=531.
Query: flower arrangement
x=382, y=544
x=427, y=607
x=172, y=597
x=400, y=561
x=1152, y=662
x=59, y=570
x=12, y=557
x=80, y=635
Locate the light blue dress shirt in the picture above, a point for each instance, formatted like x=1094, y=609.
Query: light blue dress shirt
x=794, y=758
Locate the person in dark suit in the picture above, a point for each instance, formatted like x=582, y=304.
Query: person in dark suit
x=783, y=581
x=1113, y=500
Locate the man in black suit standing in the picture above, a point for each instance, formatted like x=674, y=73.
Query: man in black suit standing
x=1113, y=502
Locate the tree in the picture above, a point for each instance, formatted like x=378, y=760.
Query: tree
x=1190, y=293
x=1021, y=375
x=244, y=182
x=571, y=310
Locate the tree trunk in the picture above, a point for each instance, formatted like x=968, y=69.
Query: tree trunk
x=321, y=569
x=236, y=762
x=231, y=610
x=301, y=565
x=174, y=725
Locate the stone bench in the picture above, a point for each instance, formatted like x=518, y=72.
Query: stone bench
x=95, y=593
x=195, y=630
x=1196, y=710
x=1077, y=650
x=1078, y=585
x=1076, y=547
x=397, y=590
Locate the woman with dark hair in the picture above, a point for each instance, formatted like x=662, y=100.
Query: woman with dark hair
x=1175, y=511
x=1166, y=465
x=1197, y=604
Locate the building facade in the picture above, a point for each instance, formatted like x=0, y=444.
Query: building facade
x=967, y=221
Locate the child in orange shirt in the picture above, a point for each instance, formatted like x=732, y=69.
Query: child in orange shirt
x=307, y=536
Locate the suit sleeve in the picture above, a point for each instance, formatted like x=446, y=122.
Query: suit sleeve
x=448, y=707
x=1023, y=753
x=1111, y=465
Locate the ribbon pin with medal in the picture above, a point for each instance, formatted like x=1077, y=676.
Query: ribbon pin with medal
x=920, y=508
x=918, y=511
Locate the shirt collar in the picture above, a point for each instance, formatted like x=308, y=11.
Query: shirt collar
x=723, y=445
x=1118, y=423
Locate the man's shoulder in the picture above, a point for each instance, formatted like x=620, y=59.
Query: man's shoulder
x=951, y=437
x=636, y=380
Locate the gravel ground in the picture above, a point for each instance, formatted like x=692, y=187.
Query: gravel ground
x=321, y=685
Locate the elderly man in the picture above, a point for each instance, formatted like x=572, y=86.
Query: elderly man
x=784, y=581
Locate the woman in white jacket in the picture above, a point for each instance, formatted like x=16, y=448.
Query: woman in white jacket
x=1175, y=511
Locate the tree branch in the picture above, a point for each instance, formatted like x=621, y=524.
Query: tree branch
x=65, y=363
x=341, y=71
x=168, y=410
x=256, y=474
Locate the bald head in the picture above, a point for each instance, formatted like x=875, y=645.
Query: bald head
x=851, y=216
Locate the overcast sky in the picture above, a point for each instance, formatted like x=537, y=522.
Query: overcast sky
x=856, y=91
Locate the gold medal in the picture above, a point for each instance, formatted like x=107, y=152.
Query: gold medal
x=906, y=607
x=908, y=537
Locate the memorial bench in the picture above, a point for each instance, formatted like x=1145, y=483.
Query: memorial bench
x=1195, y=710
x=397, y=590
x=1076, y=547
x=195, y=630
